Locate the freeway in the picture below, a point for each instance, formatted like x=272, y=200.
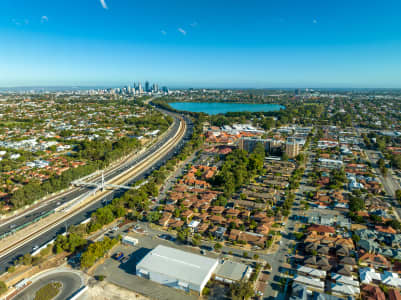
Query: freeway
x=7, y=260
x=44, y=208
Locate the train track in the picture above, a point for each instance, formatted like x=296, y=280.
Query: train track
x=120, y=179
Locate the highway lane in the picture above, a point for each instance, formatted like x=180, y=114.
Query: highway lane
x=7, y=260
x=31, y=215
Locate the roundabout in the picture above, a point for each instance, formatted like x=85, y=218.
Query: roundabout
x=70, y=283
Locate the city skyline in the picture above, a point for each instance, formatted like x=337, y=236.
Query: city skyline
x=215, y=45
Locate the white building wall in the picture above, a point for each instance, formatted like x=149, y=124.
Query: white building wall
x=207, y=278
x=170, y=281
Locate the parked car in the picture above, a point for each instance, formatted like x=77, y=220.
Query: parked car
x=166, y=237
x=207, y=248
x=118, y=256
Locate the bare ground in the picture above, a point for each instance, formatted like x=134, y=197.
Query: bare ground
x=107, y=291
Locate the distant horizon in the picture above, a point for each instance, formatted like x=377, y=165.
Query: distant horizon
x=186, y=87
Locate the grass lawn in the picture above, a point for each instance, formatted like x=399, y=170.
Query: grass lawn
x=49, y=291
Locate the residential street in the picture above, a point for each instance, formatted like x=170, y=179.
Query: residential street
x=390, y=185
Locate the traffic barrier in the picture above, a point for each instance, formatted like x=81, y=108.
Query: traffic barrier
x=79, y=293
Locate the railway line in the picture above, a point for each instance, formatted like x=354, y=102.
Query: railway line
x=125, y=174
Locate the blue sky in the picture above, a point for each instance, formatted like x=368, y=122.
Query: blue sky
x=219, y=43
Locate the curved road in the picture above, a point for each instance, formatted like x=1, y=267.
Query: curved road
x=8, y=259
x=71, y=283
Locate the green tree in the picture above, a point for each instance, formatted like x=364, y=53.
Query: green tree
x=398, y=195
x=241, y=290
x=196, y=240
x=26, y=259
x=3, y=287
x=356, y=204
x=218, y=247
x=394, y=224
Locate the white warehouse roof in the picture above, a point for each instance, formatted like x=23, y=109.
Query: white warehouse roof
x=186, y=267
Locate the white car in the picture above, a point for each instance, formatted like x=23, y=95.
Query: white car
x=36, y=247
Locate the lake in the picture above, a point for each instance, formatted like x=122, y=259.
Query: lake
x=214, y=108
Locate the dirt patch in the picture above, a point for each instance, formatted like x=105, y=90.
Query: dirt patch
x=107, y=291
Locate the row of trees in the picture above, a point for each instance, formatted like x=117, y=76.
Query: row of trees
x=156, y=120
x=239, y=167
x=96, y=251
x=69, y=243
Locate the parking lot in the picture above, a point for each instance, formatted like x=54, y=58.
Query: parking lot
x=123, y=274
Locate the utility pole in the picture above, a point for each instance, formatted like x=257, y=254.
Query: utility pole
x=102, y=186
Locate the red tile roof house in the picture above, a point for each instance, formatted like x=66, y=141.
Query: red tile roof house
x=175, y=223
x=236, y=222
x=263, y=229
x=169, y=208
x=205, y=207
x=394, y=295
x=208, y=174
x=232, y=212
x=374, y=260
x=245, y=214
x=371, y=292
x=165, y=219
x=186, y=203
x=259, y=216
x=217, y=220
x=396, y=268
x=248, y=237
x=202, y=228
x=180, y=188
x=203, y=217
x=322, y=229
x=217, y=209
x=208, y=196
x=187, y=214
x=384, y=229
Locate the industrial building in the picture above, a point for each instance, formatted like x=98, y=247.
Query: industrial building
x=129, y=240
x=230, y=271
x=177, y=268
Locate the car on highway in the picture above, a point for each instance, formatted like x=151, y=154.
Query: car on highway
x=36, y=247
